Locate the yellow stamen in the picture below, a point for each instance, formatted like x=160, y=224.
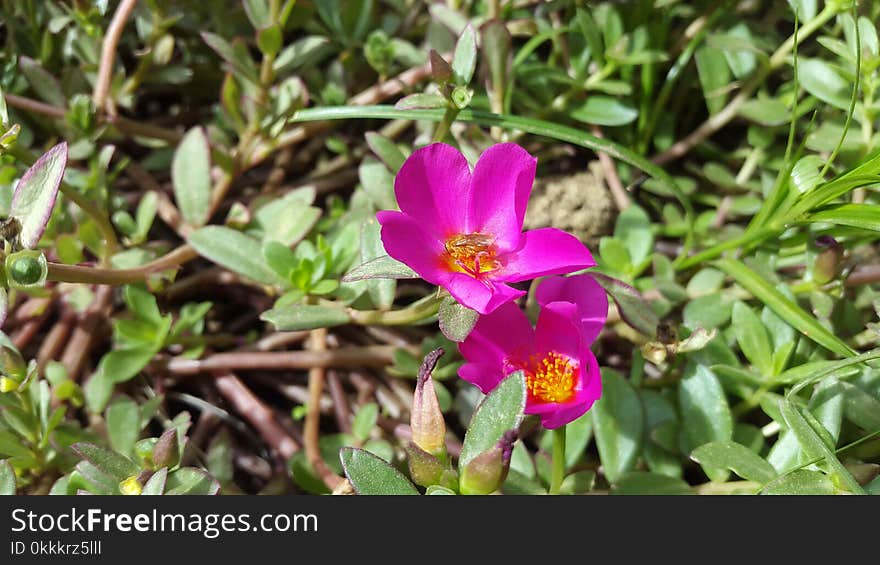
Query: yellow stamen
x=471, y=253
x=551, y=378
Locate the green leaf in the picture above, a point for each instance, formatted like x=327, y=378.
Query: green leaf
x=421, y=101
x=34, y=197
x=364, y=420
x=863, y=216
x=765, y=111
x=641, y=482
x=191, y=176
x=123, y=424
x=633, y=228
x=380, y=291
x=383, y=267
x=288, y=219
x=378, y=183
x=371, y=475
x=805, y=173
x=824, y=82
x=270, y=40
x=44, y=84
x=155, y=485
x=817, y=370
x=464, y=61
x=305, y=317
x=783, y=306
x=738, y=458
x=801, y=482
x=633, y=308
x=604, y=111
x=592, y=35
x=386, y=150
x=617, y=425
x=752, y=338
x=714, y=75
x=235, y=251
x=501, y=411
x=115, y=466
x=815, y=447
x=861, y=408
x=456, y=321
x=705, y=413
x=121, y=365
x=257, y=12
x=189, y=480
x=7, y=479
x=142, y=303
x=235, y=55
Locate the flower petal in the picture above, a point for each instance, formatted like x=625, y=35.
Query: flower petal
x=482, y=296
x=583, y=291
x=545, y=251
x=433, y=186
x=405, y=240
x=497, y=336
x=483, y=376
x=557, y=330
x=501, y=185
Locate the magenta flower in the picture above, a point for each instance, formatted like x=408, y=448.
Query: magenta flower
x=562, y=374
x=463, y=231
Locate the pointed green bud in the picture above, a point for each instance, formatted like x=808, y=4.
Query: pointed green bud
x=485, y=472
x=12, y=364
x=166, y=452
x=829, y=255
x=426, y=470
x=440, y=69
x=426, y=420
x=144, y=450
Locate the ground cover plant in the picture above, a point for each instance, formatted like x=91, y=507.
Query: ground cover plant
x=450, y=247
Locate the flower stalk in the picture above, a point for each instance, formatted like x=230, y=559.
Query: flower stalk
x=558, y=469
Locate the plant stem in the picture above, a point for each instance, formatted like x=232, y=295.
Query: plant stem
x=108, y=55
x=443, y=127
x=416, y=312
x=558, y=471
x=95, y=275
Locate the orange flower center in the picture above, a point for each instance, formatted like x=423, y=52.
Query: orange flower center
x=551, y=378
x=471, y=253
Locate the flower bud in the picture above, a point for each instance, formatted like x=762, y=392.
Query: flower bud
x=426, y=420
x=166, y=452
x=440, y=69
x=7, y=385
x=826, y=265
x=26, y=269
x=426, y=470
x=12, y=364
x=484, y=473
x=131, y=486
x=144, y=450
x=461, y=97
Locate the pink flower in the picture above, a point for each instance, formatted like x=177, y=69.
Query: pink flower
x=463, y=231
x=562, y=374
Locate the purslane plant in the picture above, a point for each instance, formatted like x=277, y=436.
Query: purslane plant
x=463, y=231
